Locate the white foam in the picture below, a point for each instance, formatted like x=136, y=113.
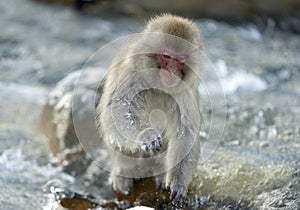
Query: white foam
x=242, y=81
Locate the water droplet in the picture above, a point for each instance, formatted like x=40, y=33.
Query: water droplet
x=234, y=143
x=126, y=102
x=144, y=147
x=203, y=134
x=133, y=150
x=112, y=140
x=181, y=134
x=260, y=113
x=128, y=115
x=119, y=146
x=272, y=132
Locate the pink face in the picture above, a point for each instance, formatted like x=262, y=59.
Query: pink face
x=171, y=66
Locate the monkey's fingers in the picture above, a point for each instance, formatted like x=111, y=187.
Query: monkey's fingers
x=153, y=145
x=156, y=143
x=177, y=197
x=150, y=140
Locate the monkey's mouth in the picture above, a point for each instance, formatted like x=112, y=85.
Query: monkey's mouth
x=170, y=77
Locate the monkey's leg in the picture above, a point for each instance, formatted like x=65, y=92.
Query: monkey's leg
x=160, y=181
x=121, y=176
x=122, y=184
x=183, y=154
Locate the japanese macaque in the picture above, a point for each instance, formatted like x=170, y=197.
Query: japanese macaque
x=148, y=113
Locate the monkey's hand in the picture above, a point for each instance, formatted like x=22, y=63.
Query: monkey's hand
x=178, y=193
x=150, y=140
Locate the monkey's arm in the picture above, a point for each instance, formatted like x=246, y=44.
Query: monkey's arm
x=123, y=118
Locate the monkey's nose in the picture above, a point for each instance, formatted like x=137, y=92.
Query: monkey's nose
x=173, y=71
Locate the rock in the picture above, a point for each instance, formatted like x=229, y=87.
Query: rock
x=143, y=196
x=69, y=106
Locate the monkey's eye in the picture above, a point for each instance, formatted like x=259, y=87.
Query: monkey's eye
x=166, y=56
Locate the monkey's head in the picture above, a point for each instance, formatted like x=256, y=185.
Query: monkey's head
x=174, y=56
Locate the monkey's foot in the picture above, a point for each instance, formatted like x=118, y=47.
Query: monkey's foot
x=150, y=140
x=122, y=184
x=160, y=182
x=177, y=195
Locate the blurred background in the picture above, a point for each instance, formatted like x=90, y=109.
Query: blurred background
x=284, y=13
x=254, y=46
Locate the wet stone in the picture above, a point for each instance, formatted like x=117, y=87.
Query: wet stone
x=70, y=97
